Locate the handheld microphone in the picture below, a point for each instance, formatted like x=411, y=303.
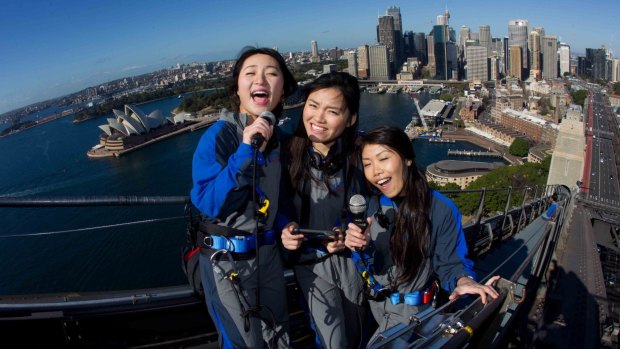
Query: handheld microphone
x=258, y=139
x=357, y=211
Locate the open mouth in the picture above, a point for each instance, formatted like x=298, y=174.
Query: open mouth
x=383, y=182
x=318, y=128
x=260, y=97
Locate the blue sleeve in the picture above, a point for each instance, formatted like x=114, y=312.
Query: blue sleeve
x=217, y=171
x=449, y=257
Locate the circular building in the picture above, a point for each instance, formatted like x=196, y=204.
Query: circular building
x=459, y=172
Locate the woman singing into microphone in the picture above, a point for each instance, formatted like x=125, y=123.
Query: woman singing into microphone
x=244, y=287
x=324, y=175
x=414, y=235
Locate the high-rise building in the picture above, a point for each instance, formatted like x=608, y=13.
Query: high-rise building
x=505, y=56
x=564, y=50
x=494, y=67
x=430, y=49
x=515, y=57
x=550, y=57
x=615, y=75
x=535, y=47
x=394, y=12
x=419, y=45
x=595, y=63
x=463, y=37
x=386, y=35
x=517, y=36
x=485, y=38
x=408, y=44
x=379, y=63
x=363, y=65
x=314, y=48
x=445, y=49
x=477, y=68
x=352, y=62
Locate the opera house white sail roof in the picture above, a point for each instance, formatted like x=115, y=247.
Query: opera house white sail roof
x=133, y=121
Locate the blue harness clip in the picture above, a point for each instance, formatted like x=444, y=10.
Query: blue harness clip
x=239, y=244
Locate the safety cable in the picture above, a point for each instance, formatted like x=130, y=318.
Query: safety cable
x=93, y=228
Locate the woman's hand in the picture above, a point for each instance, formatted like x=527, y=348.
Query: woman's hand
x=466, y=285
x=259, y=125
x=337, y=244
x=356, y=238
x=291, y=241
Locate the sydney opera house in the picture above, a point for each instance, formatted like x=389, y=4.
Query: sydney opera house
x=132, y=127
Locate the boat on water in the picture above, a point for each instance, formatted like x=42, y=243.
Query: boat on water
x=180, y=96
x=175, y=316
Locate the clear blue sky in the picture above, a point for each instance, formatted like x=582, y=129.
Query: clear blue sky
x=49, y=48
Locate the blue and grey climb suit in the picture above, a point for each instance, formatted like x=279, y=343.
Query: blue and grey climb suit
x=446, y=260
x=330, y=283
x=222, y=175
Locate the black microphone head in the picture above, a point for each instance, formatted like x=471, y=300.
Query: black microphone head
x=267, y=115
x=357, y=204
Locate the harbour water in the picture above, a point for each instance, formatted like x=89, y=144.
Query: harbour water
x=50, y=160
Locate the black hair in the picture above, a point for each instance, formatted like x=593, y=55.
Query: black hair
x=409, y=242
x=290, y=84
x=554, y=197
x=300, y=144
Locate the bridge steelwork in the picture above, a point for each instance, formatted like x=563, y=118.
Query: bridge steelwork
x=512, y=241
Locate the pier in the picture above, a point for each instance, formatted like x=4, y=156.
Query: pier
x=489, y=154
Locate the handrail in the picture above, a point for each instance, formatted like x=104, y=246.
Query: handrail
x=98, y=200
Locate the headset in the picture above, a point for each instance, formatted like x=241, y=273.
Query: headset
x=328, y=165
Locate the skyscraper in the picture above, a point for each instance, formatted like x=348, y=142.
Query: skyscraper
x=485, y=38
x=517, y=36
x=550, y=57
x=419, y=45
x=379, y=63
x=477, y=67
x=564, y=49
x=463, y=37
x=314, y=48
x=595, y=63
x=386, y=35
x=515, y=57
x=352, y=62
x=362, y=62
x=445, y=49
x=394, y=12
x=535, y=54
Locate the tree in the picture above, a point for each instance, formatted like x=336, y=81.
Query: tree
x=617, y=88
x=520, y=147
x=446, y=97
x=518, y=177
x=579, y=96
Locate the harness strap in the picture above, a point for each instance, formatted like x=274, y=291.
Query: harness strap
x=236, y=244
x=222, y=230
x=415, y=297
x=362, y=261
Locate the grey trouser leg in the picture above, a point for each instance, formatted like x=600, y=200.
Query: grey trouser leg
x=226, y=302
x=337, y=320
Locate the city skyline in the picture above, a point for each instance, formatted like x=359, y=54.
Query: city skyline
x=52, y=49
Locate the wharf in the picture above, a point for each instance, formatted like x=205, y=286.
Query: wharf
x=490, y=154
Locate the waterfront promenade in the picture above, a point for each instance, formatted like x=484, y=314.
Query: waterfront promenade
x=465, y=135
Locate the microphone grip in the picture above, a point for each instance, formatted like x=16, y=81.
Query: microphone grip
x=362, y=224
x=257, y=140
